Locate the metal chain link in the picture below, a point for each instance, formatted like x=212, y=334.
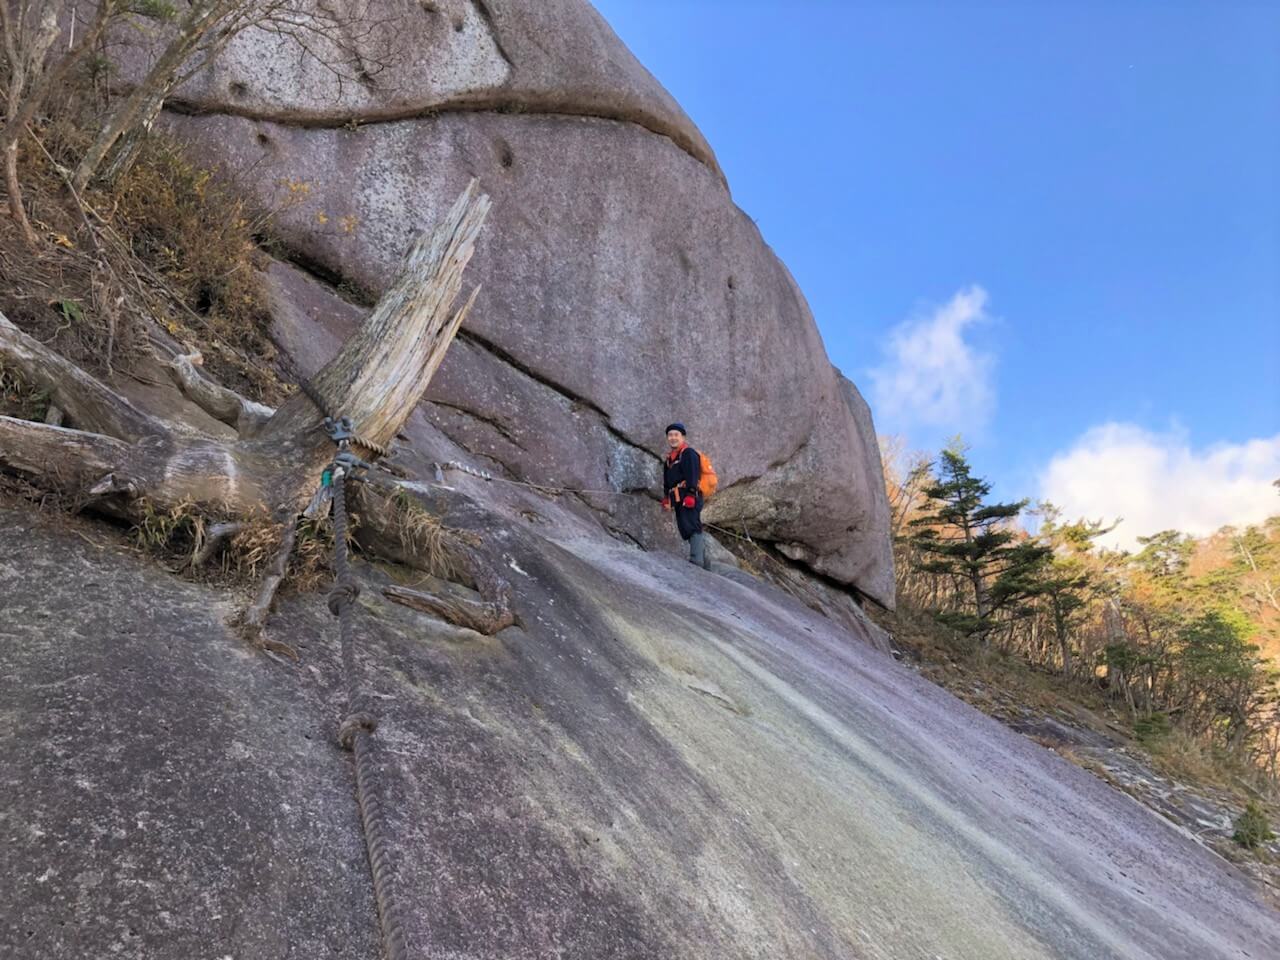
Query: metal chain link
x=318, y=401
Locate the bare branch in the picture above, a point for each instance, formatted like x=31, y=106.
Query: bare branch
x=141, y=106
x=482, y=617
x=29, y=84
x=338, y=41
x=224, y=405
x=255, y=617
x=87, y=403
x=214, y=538
x=386, y=531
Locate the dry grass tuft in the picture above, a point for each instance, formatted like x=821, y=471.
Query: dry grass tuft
x=1084, y=762
x=19, y=399
x=179, y=534
x=55, y=502
x=175, y=533
x=252, y=548
x=311, y=566
x=1182, y=757
x=167, y=248
x=192, y=229
x=422, y=535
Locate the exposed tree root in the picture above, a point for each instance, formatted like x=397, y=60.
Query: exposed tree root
x=254, y=619
x=124, y=462
x=214, y=538
x=482, y=617
x=408, y=534
x=224, y=405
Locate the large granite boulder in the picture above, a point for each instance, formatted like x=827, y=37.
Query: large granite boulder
x=622, y=288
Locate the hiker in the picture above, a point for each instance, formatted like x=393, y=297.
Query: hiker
x=681, y=473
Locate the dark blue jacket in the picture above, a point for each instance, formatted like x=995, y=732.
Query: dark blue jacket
x=684, y=473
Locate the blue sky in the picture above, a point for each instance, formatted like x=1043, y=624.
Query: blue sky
x=1073, y=208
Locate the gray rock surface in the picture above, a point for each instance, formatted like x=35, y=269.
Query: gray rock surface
x=658, y=764
x=494, y=415
x=618, y=280
x=621, y=287
x=386, y=59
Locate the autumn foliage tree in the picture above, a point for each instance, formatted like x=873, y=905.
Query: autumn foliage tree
x=1182, y=635
x=1067, y=581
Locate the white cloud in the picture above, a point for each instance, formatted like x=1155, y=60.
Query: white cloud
x=932, y=377
x=1156, y=481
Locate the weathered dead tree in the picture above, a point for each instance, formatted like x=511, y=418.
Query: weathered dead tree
x=114, y=458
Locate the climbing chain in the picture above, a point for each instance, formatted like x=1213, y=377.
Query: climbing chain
x=330, y=421
x=356, y=730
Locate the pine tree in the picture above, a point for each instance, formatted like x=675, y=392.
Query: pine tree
x=964, y=537
x=1225, y=679
x=1066, y=583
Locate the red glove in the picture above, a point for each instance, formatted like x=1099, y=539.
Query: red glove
x=666, y=503
x=690, y=503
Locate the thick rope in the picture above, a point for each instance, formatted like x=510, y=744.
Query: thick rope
x=356, y=735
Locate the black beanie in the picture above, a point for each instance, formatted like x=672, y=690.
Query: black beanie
x=676, y=426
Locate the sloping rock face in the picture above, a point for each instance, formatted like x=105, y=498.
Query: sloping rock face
x=621, y=287
x=657, y=764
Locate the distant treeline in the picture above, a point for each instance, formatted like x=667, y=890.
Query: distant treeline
x=1182, y=634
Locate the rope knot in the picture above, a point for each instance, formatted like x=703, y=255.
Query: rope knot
x=343, y=592
x=352, y=724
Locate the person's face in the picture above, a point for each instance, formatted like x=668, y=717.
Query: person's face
x=674, y=438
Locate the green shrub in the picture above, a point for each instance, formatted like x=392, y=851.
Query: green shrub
x=1252, y=827
x=1153, y=727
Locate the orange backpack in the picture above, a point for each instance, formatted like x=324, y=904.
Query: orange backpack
x=707, y=479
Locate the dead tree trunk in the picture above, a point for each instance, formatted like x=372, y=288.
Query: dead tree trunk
x=376, y=380
x=114, y=458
